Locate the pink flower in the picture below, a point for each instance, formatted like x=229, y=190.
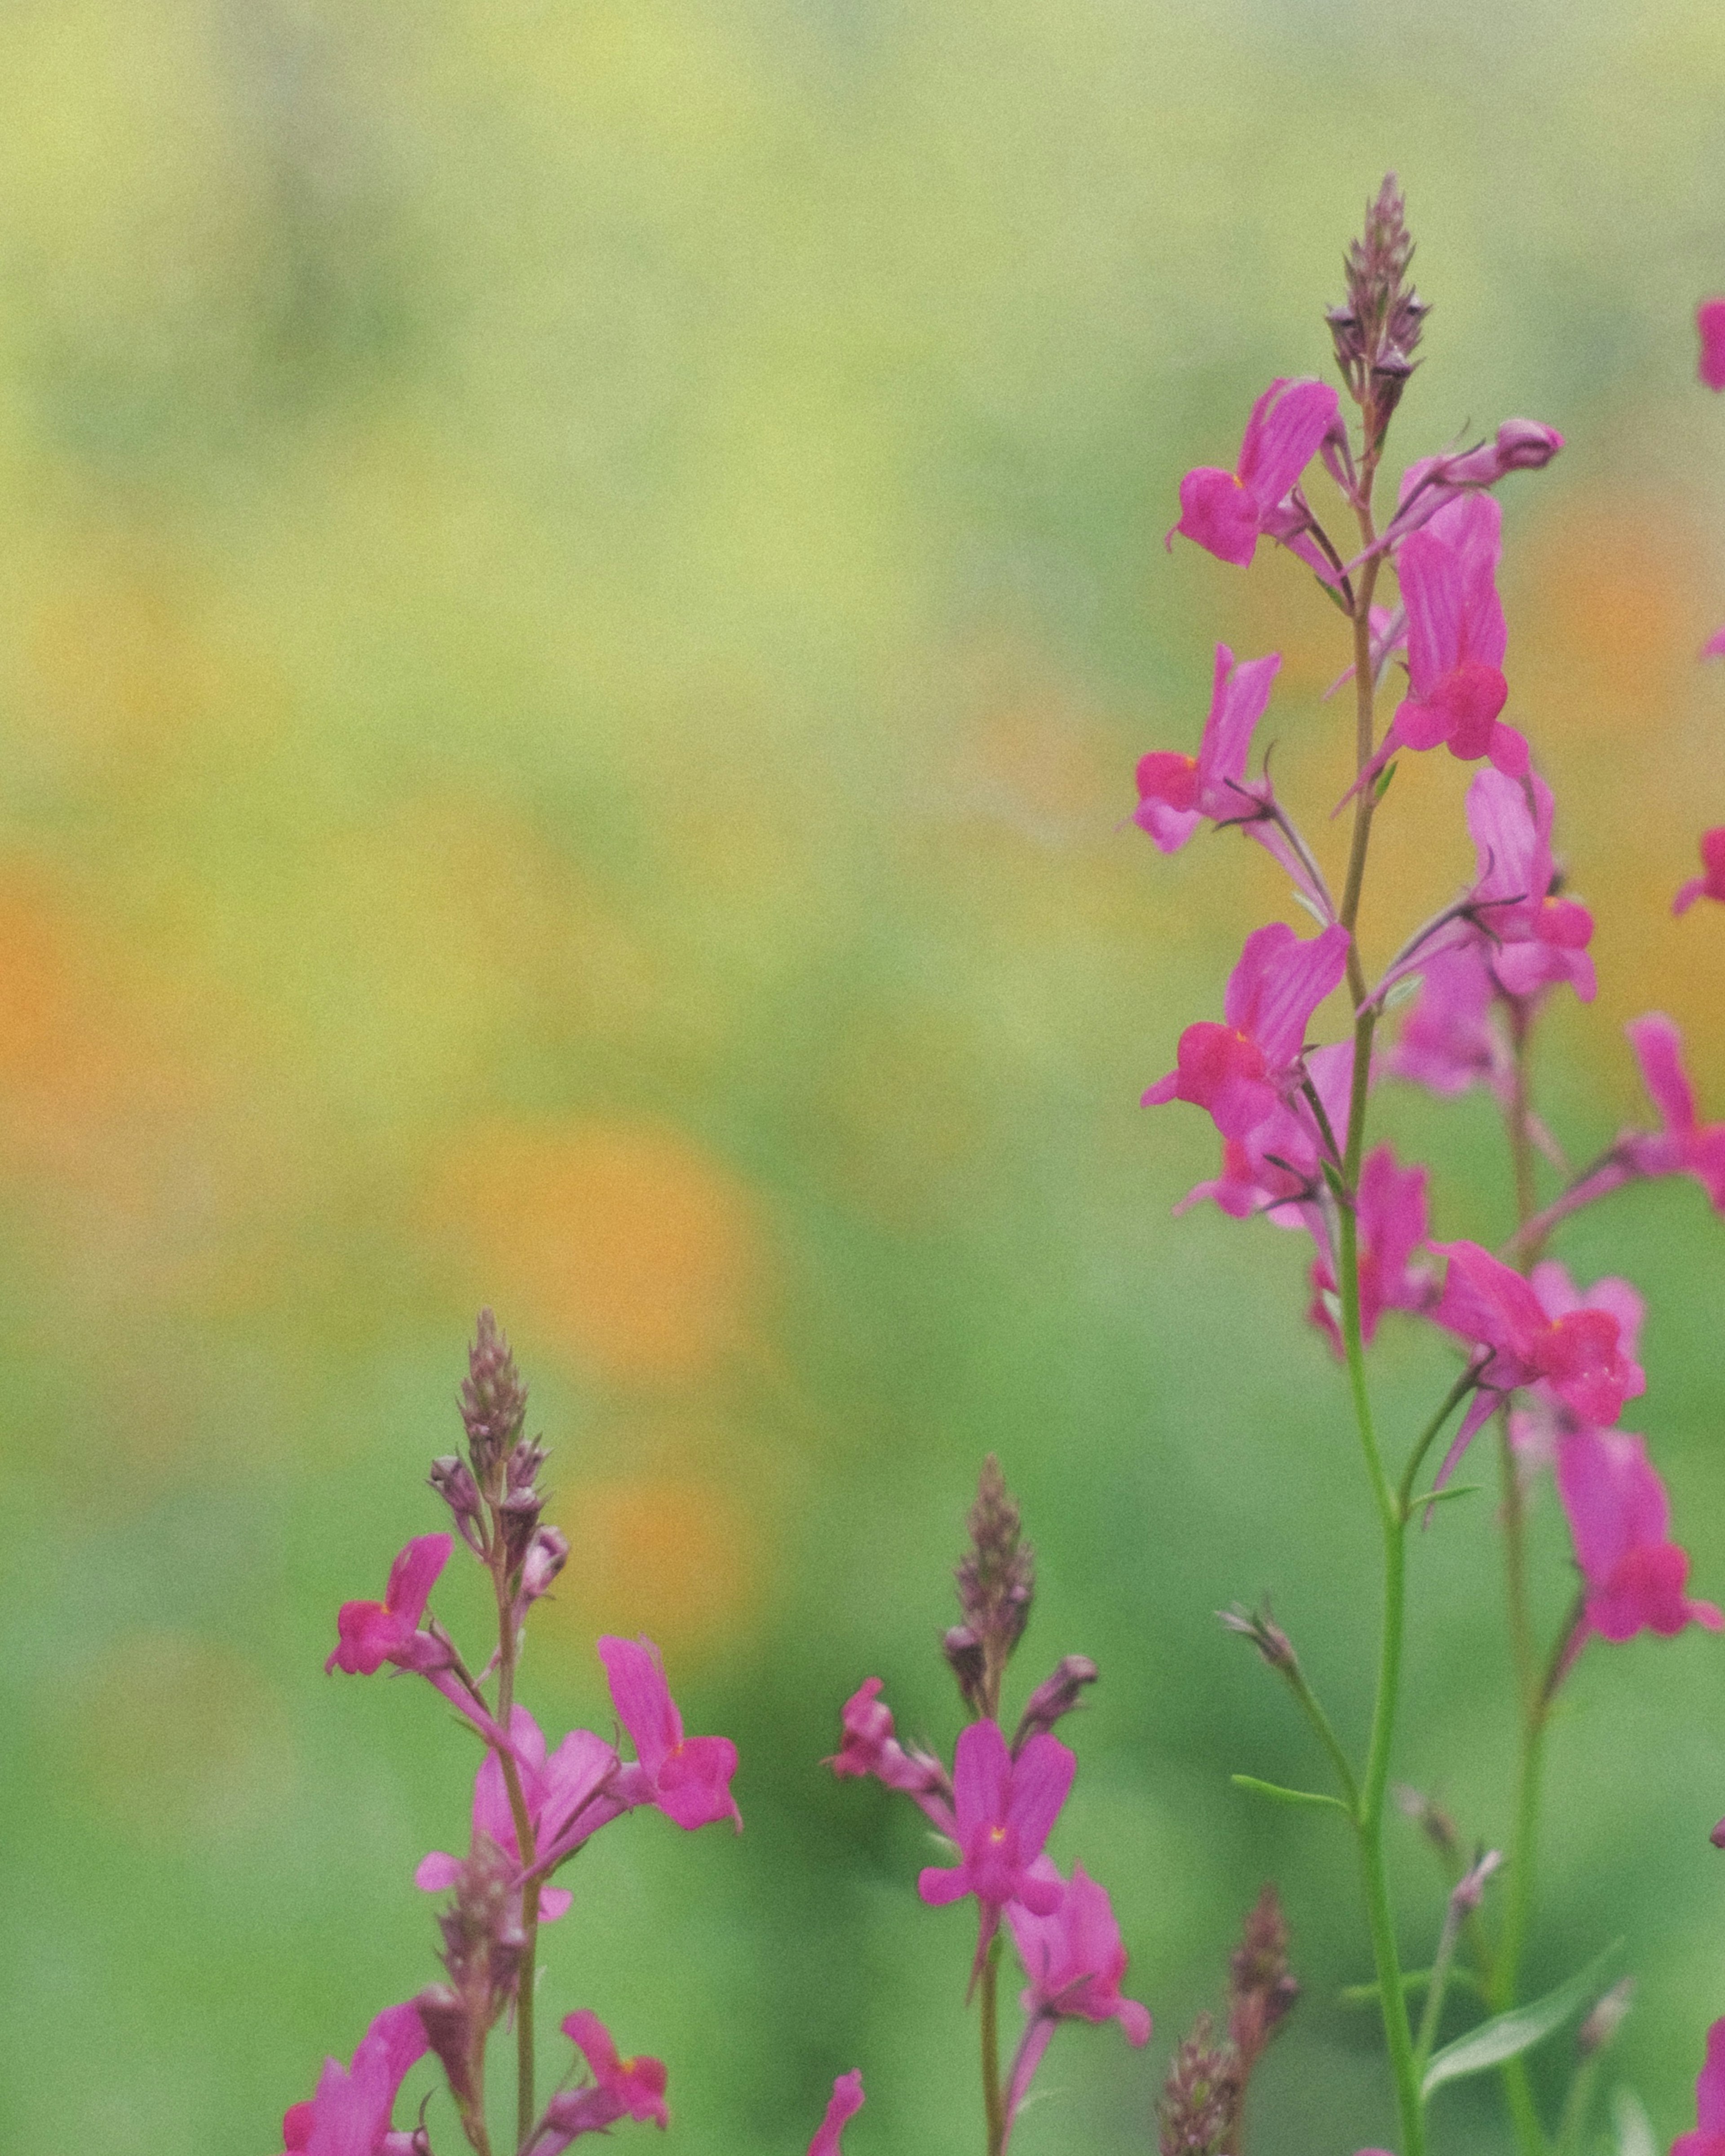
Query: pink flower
x=1225, y=512
x=1536, y=939
x=1175, y=793
x=1535, y=1427
x=1579, y=1353
x=1709, y=2138
x=1391, y=1226
x=1711, y=883
x=871, y=1747
x=844, y=2103
x=1240, y=1069
x=1456, y=641
x=349, y=2115
x=1685, y=1146
x=687, y=1777
x=620, y=2088
x=1710, y=322
x=1448, y=1041
x=1275, y=1169
x=373, y=1633
x=1434, y=484
x=566, y=1798
x=1005, y=1810
x=1074, y=1960
x=1620, y=1519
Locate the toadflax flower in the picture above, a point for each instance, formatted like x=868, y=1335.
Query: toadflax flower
x=1175, y=793
x=1074, y=1960
x=843, y=2106
x=687, y=1777
x=1619, y=1520
x=1685, y=1146
x=1390, y=1211
x=1448, y=1041
x=1708, y=2138
x=1536, y=1426
x=1711, y=882
x=370, y=1634
x=871, y=1747
x=349, y=2115
x=1536, y=939
x=1227, y=512
x=1238, y=1071
x=1005, y=1809
x=1710, y=323
x=1579, y=1353
x=568, y=1798
x=1276, y=1169
x=620, y=2088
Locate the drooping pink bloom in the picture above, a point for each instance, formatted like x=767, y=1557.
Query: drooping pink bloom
x=1225, y=512
x=1686, y=1146
x=687, y=1777
x=373, y=1633
x=620, y=2088
x=1004, y=1810
x=568, y=1798
x=843, y=2106
x=1535, y=1427
x=1578, y=1353
x=1708, y=2138
x=1175, y=793
x=349, y=2115
x=1536, y=939
x=1434, y=484
x=1391, y=1225
x=1456, y=641
x=1447, y=1041
x=1075, y=1959
x=1710, y=322
x=1711, y=883
x=1240, y=1069
x=1619, y=1520
x=871, y=1747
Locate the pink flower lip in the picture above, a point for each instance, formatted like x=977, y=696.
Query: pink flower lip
x=1710, y=324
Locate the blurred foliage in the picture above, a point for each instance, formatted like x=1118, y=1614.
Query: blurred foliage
x=583, y=585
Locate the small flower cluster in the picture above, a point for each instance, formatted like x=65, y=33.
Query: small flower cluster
x=533, y=1809
x=996, y=1808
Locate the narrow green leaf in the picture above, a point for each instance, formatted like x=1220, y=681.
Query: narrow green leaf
x=1414, y=1983
x=1278, y=1795
x=1634, y=2129
x=1381, y=786
x=1507, y=2035
x=1438, y=1497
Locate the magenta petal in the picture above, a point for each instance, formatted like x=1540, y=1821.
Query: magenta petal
x=1659, y=1049
x=1288, y=423
x=695, y=1782
x=554, y=1901
x=1041, y=1777
x=1218, y=514
x=1687, y=893
x=844, y=2103
x=938, y=1887
x=1710, y=327
x=642, y=1698
x=436, y=1873
x=413, y=1575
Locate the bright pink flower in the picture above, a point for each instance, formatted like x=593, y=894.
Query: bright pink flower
x=620, y=2088
x=688, y=1778
x=1435, y=484
x=1619, y=1520
x=350, y=2114
x=1685, y=1146
x=1448, y=1041
x=1175, y=793
x=1074, y=1960
x=1225, y=512
x=1240, y=1069
x=1578, y=1353
x=373, y=1633
x=1536, y=939
x=1456, y=641
x=1710, y=322
x=1709, y=2138
x=844, y=2103
x=1711, y=884
x=871, y=1747
x=1275, y=1169
x=1005, y=1810
x=566, y=1798
x=1535, y=1427
x=1391, y=1227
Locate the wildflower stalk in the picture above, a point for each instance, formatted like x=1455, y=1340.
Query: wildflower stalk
x=994, y=2102
x=508, y=1654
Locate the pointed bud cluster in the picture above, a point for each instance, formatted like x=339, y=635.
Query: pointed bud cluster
x=483, y=1945
x=1266, y=1635
x=1376, y=331
x=1199, y=2100
x=1055, y=1696
x=1260, y=1990
x=493, y=1400
x=997, y=1580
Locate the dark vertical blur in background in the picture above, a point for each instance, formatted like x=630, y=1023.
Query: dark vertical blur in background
x=583, y=584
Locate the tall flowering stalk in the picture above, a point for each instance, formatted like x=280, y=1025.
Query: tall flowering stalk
x=1552, y=1364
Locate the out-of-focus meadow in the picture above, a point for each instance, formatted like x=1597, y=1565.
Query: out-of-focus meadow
x=582, y=586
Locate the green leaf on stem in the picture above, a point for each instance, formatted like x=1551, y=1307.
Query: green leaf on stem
x=1438, y=1497
x=1382, y=787
x=1507, y=2035
x=1414, y=1983
x=1634, y=2129
x=1278, y=1795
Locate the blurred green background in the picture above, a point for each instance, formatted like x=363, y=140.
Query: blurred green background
x=583, y=582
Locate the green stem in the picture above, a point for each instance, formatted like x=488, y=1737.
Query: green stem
x=1327, y=1737
x=1458, y=1393
x=994, y=2102
x=1439, y=1985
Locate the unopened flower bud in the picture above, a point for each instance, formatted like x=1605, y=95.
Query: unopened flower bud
x=519, y=1513
x=1433, y=1821
x=546, y=1555
x=448, y=2031
x=453, y=1480
x=528, y=1456
x=1470, y=1889
x=1055, y=1696
x=1260, y=1989
x=964, y=1654
x=493, y=1400
x=1266, y=1635
x=1606, y=2017
x=1524, y=445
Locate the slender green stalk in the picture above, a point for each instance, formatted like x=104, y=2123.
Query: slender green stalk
x=1327, y=1736
x=994, y=2101
x=1435, y=1989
